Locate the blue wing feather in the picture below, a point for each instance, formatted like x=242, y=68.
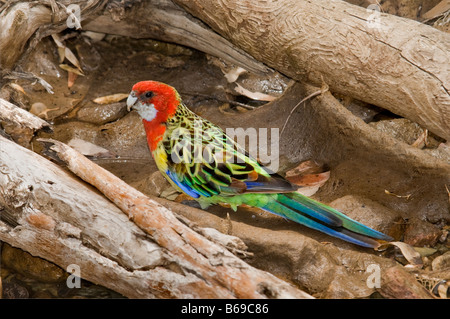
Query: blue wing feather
x=185, y=188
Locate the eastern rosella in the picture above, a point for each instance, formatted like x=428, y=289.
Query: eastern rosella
x=199, y=159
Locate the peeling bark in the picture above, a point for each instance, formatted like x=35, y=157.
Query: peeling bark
x=392, y=62
x=49, y=213
x=222, y=274
x=158, y=19
x=20, y=124
x=396, y=63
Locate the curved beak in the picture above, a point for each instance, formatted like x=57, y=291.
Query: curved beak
x=131, y=101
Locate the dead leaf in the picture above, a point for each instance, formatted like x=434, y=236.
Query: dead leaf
x=425, y=251
x=72, y=58
x=61, y=54
x=441, y=8
x=309, y=175
x=258, y=96
x=68, y=68
x=65, y=53
x=17, y=87
x=398, y=196
x=170, y=193
x=241, y=109
x=180, y=196
x=71, y=79
x=234, y=74
x=61, y=47
x=88, y=148
x=409, y=252
x=113, y=98
x=310, y=179
x=306, y=167
x=94, y=36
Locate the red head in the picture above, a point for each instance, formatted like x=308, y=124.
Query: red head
x=155, y=102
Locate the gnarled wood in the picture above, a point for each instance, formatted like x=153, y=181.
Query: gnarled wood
x=17, y=25
x=222, y=274
x=163, y=20
x=392, y=62
x=20, y=124
x=158, y=19
x=49, y=213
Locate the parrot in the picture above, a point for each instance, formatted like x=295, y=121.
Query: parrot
x=199, y=159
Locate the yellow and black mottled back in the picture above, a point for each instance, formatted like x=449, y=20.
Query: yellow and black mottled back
x=207, y=162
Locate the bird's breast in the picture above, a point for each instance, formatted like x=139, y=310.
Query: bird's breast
x=160, y=157
x=155, y=133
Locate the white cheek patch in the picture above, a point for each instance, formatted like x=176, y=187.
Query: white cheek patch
x=147, y=112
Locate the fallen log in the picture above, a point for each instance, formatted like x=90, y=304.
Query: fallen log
x=157, y=19
x=395, y=63
x=220, y=273
x=17, y=25
x=46, y=211
x=24, y=24
x=163, y=20
x=20, y=124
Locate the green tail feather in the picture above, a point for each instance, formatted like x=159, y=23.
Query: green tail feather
x=308, y=212
x=316, y=215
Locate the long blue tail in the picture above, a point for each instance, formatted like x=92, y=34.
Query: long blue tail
x=316, y=215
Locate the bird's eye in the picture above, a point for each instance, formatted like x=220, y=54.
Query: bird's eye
x=149, y=94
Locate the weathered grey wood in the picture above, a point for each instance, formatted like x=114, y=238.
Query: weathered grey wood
x=20, y=124
x=49, y=213
x=392, y=62
x=166, y=21
x=396, y=63
x=17, y=24
x=220, y=274
x=20, y=117
x=53, y=215
x=158, y=19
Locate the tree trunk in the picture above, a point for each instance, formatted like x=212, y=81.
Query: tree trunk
x=392, y=62
x=158, y=19
x=165, y=21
